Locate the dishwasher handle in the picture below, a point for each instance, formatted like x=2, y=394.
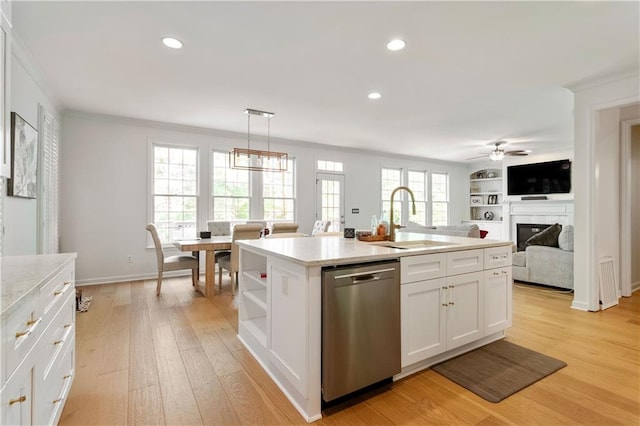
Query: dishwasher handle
x=361, y=277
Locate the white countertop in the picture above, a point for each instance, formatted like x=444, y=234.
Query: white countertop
x=326, y=251
x=21, y=276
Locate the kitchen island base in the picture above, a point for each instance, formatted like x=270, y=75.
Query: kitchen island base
x=462, y=292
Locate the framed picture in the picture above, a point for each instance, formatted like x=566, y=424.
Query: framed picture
x=476, y=199
x=24, y=152
x=493, y=199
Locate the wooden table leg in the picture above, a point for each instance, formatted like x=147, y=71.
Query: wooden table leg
x=195, y=280
x=210, y=274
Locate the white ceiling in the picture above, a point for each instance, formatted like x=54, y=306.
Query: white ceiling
x=471, y=73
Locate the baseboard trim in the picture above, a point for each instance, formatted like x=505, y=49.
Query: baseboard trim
x=581, y=306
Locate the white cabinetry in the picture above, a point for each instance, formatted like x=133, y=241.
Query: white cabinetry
x=486, y=201
x=38, y=345
x=448, y=307
x=279, y=321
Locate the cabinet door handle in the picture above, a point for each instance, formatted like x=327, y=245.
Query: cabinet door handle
x=57, y=342
x=66, y=377
x=20, y=400
x=68, y=325
x=55, y=401
x=32, y=324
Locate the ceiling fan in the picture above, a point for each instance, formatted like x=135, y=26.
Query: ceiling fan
x=498, y=153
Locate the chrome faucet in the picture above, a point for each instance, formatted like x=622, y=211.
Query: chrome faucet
x=392, y=227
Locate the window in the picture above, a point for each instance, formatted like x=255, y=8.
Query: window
x=391, y=179
x=48, y=235
x=231, y=195
x=278, y=194
x=439, y=199
x=417, y=181
x=330, y=166
x=175, y=192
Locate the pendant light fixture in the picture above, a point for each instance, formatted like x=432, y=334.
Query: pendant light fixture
x=254, y=159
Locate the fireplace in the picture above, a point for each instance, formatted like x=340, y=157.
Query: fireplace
x=526, y=230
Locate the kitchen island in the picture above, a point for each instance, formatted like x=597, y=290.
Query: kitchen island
x=455, y=296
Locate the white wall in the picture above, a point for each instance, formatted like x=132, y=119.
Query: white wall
x=20, y=214
x=607, y=185
x=635, y=207
x=592, y=97
x=104, y=198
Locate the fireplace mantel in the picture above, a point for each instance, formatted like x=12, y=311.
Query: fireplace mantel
x=539, y=211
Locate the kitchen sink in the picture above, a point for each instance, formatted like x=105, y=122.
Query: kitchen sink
x=413, y=244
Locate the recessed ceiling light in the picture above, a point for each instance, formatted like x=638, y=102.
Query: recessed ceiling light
x=374, y=95
x=396, y=44
x=171, y=42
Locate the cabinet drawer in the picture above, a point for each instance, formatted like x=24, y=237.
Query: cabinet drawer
x=55, y=388
x=57, y=336
x=56, y=290
x=23, y=328
x=462, y=262
x=497, y=257
x=424, y=267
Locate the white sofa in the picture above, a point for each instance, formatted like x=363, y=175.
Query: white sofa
x=454, y=230
x=547, y=265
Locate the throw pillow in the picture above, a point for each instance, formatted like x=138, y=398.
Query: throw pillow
x=565, y=239
x=546, y=237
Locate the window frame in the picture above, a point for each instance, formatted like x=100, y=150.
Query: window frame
x=152, y=143
x=291, y=168
x=448, y=196
x=210, y=195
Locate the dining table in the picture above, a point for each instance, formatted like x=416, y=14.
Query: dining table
x=209, y=245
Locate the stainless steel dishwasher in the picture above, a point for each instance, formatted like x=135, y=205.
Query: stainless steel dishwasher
x=360, y=326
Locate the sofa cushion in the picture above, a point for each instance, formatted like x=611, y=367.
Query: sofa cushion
x=519, y=259
x=565, y=239
x=546, y=237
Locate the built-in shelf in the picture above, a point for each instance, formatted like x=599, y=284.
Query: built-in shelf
x=258, y=296
x=257, y=327
x=486, y=198
x=255, y=277
x=486, y=179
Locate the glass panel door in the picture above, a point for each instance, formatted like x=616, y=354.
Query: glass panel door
x=330, y=200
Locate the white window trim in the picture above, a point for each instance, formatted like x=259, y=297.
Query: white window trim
x=151, y=143
x=431, y=195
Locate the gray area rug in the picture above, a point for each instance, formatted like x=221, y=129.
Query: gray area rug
x=498, y=369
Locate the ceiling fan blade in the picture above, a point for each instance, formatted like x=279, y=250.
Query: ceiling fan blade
x=518, y=153
x=476, y=158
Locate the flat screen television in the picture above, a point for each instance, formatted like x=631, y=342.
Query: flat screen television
x=551, y=177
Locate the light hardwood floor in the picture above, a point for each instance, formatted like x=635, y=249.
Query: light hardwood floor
x=175, y=359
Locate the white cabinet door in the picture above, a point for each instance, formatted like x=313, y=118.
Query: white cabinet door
x=464, y=311
x=17, y=397
x=497, y=299
x=423, y=327
x=289, y=336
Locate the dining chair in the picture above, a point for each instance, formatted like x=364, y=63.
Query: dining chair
x=219, y=228
x=230, y=262
x=171, y=263
x=278, y=228
x=320, y=226
x=286, y=235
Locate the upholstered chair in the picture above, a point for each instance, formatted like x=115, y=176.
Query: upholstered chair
x=219, y=227
x=278, y=227
x=171, y=263
x=230, y=262
x=320, y=226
